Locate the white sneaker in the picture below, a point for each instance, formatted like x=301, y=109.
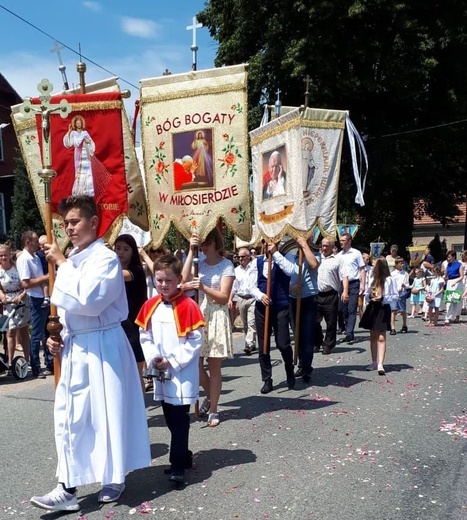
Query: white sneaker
x=57, y=500
x=111, y=493
x=381, y=370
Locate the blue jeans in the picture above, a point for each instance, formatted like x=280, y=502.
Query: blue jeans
x=38, y=322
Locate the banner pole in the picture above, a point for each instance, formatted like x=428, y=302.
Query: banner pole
x=298, y=308
x=268, y=307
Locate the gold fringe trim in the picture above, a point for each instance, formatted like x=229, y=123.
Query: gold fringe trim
x=221, y=89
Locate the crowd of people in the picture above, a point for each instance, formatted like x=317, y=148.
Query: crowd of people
x=129, y=312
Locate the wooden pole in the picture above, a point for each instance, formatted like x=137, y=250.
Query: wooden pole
x=298, y=307
x=54, y=326
x=268, y=307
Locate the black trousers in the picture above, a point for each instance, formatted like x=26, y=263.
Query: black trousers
x=327, y=309
x=279, y=320
x=178, y=422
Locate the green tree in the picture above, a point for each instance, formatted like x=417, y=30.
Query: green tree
x=396, y=66
x=25, y=211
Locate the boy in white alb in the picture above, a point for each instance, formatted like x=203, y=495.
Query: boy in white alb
x=171, y=336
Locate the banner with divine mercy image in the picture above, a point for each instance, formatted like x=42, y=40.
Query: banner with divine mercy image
x=195, y=155
x=296, y=162
x=92, y=154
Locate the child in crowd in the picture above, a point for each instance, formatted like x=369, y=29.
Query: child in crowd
x=418, y=295
x=171, y=337
x=401, y=279
x=379, y=294
x=434, y=295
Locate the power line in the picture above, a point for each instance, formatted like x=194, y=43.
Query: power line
x=68, y=47
x=420, y=129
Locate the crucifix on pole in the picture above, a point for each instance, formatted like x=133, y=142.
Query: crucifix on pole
x=195, y=25
x=46, y=109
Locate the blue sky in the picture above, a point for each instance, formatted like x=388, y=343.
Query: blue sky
x=132, y=39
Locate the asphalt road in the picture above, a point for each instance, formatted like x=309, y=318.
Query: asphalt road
x=351, y=445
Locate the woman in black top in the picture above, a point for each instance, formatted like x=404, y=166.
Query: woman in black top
x=136, y=292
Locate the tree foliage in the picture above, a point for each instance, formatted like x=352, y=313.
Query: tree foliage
x=25, y=211
x=396, y=66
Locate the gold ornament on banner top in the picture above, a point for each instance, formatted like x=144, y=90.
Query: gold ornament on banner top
x=296, y=162
x=417, y=254
x=195, y=154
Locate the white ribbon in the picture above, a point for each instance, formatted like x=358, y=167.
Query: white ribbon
x=359, y=169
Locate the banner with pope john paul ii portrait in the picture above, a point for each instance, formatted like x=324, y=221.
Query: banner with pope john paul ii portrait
x=296, y=162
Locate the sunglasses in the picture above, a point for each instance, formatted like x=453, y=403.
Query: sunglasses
x=242, y=257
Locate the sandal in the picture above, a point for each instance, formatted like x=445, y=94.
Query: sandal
x=204, y=408
x=213, y=420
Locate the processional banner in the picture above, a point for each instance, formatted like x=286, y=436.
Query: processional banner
x=296, y=162
x=417, y=254
x=92, y=152
x=194, y=137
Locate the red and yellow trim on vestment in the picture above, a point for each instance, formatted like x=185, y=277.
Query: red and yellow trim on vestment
x=188, y=315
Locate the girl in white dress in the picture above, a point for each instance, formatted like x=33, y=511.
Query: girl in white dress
x=214, y=281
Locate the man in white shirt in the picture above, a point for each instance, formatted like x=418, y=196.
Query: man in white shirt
x=245, y=278
x=329, y=281
x=353, y=267
x=32, y=277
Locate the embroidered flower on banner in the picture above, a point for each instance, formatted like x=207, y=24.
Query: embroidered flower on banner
x=137, y=207
x=59, y=229
x=240, y=212
x=231, y=154
x=193, y=223
x=158, y=163
x=149, y=120
x=157, y=219
x=29, y=138
x=237, y=108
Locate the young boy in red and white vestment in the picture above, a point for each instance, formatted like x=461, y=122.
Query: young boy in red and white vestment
x=171, y=336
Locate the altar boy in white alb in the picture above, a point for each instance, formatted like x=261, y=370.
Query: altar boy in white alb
x=101, y=430
x=171, y=336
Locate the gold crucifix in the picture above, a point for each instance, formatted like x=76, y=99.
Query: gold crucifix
x=46, y=109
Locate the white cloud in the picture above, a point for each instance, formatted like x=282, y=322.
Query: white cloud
x=93, y=6
x=139, y=27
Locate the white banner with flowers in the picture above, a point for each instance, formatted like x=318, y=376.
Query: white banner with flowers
x=194, y=138
x=296, y=161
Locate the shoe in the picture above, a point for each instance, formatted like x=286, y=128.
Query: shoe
x=341, y=331
x=48, y=372
x=213, y=420
x=267, y=387
x=249, y=350
x=148, y=384
x=404, y=329
x=349, y=338
x=188, y=463
x=57, y=500
x=316, y=349
x=446, y=322
x=457, y=319
x=381, y=371
x=306, y=378
x=291, y=381
x=177, y=476
x=204, y=408
x=372, y=366
x=393, y=332
x=111, y=493
x=299, y=372
x=45, y=303
x=39, y=375
x=326, y=351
